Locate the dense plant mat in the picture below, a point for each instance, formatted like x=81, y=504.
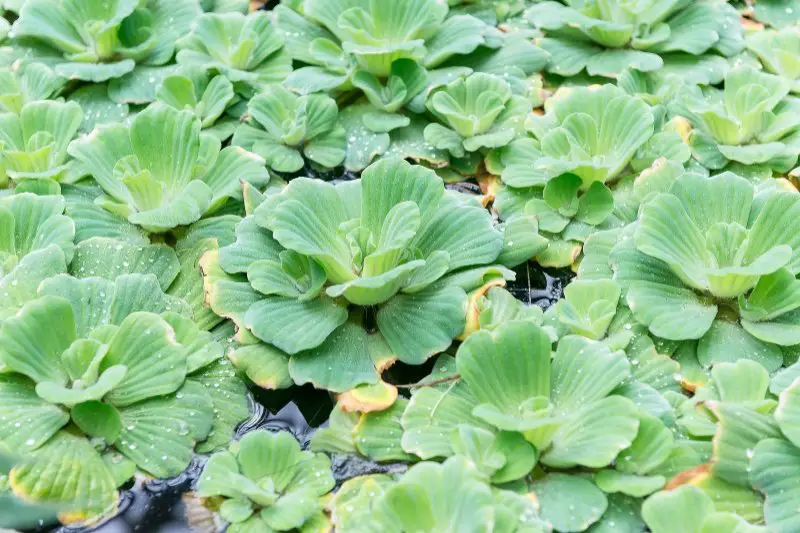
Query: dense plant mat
x=533, y=264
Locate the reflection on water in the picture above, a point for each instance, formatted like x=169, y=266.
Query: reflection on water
x=538, y=286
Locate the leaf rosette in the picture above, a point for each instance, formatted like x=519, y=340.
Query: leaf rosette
x=98, y=384
x=605, y=38
x=23, y=83
x=100, y=41
x=316, y=264
x=431, y=497
x=357, y=42
x=750, y=122
x=513, y=402
x=715, y=260
x=209, y=98
x=265, y=482
x=587, y=140
x=246, y=49
x=553, y=403
x=283, y=127
x=779, y=52
x=34, y=143
x=476, y=112
x=161, y=172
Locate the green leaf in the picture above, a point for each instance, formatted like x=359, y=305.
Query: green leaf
x=683, y=509
x=346, y=359
x=433, y=412
x=507, y=366
x=650, y=448
x=97, y=419
x=110, y=258
x=263, y=364
x=431, y=497
x=569, y=503
x=611, y=481
x=159, y=434
x=589, y=306
x=338, y=435
x=477, y=446
x=33, y=341
x=156, y=363
x=67, y=472
x=594, y=435
x=584, y=371
x=307, y=219
x=230, y=402
x=728, y=342
x=276, y=320
x=787, y=415
x=775, y=465
x=98, y=108
x=377, y=434
x=670, y=312
x=19, y=407
x=420, y=325
x=739, y=429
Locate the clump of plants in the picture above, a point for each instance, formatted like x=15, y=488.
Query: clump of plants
x=538, y=259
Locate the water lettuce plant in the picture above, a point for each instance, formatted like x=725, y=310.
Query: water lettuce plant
x=33, y=143
x=586, y=140
x=246, y=49
x=777, y=51
x=710, y=260
x=605, y=38
x=37, y=242
x=749, y=122
x=96, y=42
x=265, y=482
x=283, y=127
x=21, y=84
x=342, y=39
x=479, y=111
x=337, y=260
x=161, y=172
x=97, y=382
x=208, y=97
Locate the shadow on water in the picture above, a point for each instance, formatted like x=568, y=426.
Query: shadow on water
x=539, y=286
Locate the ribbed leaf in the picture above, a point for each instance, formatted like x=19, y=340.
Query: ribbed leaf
x=682, y=509
x=507, y=366
x=346, y=359
x=293, y=325
x=110, y=258
x=569, y=503
x=594, y=435
x=156, y=363
x=26, y=421
x=787, y=414
x=727, y=342
x=159, y=434
x=34, y=339
x=671, y=312
x=67, y=471
x=775, y=469
x=420, y=325
x=263, y=364
x=584, y=371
